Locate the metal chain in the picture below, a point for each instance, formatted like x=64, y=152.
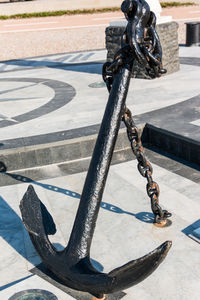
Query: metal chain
x=144, y=167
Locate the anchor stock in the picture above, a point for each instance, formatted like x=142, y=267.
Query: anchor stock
x=72, y=265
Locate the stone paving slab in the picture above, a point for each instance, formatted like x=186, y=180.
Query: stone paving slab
x=124, y=225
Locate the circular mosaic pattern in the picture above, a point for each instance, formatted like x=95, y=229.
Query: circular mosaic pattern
x=63, y=91
x=33, y=295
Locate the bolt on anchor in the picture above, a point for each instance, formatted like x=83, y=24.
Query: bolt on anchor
x=72, y=266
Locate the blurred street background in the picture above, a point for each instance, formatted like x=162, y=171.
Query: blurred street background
x=28, y=37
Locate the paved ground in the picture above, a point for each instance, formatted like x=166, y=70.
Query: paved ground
x=53, y=105
x=51, y=108
x=42, y=36
x=36, y=83
x=124, y=225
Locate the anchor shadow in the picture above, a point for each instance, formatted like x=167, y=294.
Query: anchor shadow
x=13, y=232
x=12, y=229
x=146, y=217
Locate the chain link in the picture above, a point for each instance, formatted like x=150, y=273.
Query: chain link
x=144, y=167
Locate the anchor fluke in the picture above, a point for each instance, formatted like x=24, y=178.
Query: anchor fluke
x=137, y=270
x=80, y=273
x=34, y=213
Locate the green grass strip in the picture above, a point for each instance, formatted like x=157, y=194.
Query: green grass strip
x=60, y=13
x=176, y=4
x=82, y=11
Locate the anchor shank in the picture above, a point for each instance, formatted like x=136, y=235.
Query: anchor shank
x=90, y=201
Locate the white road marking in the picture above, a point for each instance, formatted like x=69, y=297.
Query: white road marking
x=53, y=28
x=29, y=24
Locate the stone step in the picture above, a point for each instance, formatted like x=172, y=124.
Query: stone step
x=72, y=155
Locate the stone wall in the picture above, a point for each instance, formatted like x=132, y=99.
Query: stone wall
x=168, y=33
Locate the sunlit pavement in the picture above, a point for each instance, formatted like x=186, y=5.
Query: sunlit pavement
x=55, y=103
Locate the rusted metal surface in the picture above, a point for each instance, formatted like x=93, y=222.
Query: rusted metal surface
x=145, y=168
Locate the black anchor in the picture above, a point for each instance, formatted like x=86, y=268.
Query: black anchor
x=72, y=266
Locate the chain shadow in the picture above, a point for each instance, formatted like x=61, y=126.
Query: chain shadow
x=11, y=226
x=146, y=217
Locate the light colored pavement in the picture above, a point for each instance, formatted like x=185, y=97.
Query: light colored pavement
x=47, y=102
x=124, y=232
x=71, y=70
x=52, y=94
x=30, y=93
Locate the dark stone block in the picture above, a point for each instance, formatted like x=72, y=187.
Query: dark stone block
x=43, y=156
x=12, y=161
x=74, y=167
x=28, y=157
x=172, y=143
x=173, y=163
x=87, y=147
x=65, y=152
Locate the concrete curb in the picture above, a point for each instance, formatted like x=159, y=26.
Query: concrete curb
x=73, y=155
x=58, y=158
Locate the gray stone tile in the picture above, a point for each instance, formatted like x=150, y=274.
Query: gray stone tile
x=61, y=153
